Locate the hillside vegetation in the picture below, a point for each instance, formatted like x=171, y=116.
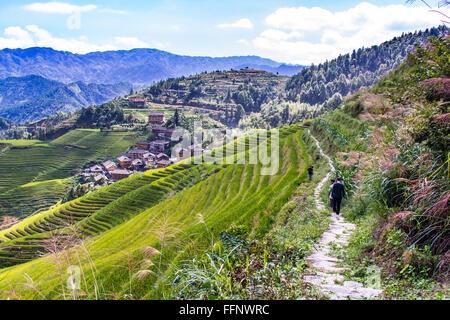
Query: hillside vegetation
x=170, y=231
x=27, y=162
x=391, y=144
x=32, y=97
x=230, y=94
x=322, y=88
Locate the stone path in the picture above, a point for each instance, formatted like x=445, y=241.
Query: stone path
x=324, y=269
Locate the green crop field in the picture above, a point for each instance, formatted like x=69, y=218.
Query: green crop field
x=180, y=210
x=50, y=163
x=20, y=143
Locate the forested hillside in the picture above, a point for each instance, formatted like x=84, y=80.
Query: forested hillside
x=32, y=97
x=361, y=68
x=391, y=145
x=232, y=93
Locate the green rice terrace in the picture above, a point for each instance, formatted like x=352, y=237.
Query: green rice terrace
x=33, y=174
x=181, y=210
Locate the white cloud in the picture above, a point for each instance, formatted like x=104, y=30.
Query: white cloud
x=114, y=11
x=243, y=41
x=59, y=7
x=33, y=36
x=240, y=24
x=312, y=35
x=130, y=43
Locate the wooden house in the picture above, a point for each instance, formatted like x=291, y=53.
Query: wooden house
x=157, y=118
x=109, y=166
x=96, y=169
x=162, y=156
x=137, y=154
x=124, y=161
x=143, y=145
x=136, y=102
x=163, y=163
x=120, y=174
x=159, y=146
x=138, y=164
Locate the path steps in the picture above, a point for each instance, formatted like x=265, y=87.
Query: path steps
x=323, y=265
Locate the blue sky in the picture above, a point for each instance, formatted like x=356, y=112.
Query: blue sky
x=293, y=31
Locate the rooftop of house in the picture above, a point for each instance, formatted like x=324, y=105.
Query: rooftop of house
x=96, y=168
x=123, y=158
x=138, y=151
x=108, y=164
x=157, y=114
x=136, y=99
x=137, y=162
x=164, y=162
x=149, y=155
x=99, y=177
x=162, y=155
x=121, y=172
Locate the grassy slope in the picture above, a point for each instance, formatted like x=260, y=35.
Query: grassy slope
x=235, y=195
x=50, y=163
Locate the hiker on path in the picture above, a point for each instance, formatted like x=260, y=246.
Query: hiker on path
x=310, y=172
x=337, y=194
x=329, y=194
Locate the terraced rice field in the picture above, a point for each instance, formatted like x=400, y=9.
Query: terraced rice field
x=177, y=215
x=50, y=163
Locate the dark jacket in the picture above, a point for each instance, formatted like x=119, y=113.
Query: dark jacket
x=338, y=191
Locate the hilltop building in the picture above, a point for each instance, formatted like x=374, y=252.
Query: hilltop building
x=136, y=102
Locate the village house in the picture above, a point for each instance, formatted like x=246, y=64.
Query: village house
x=138, y=164
x=159, y=146
x=143, y=145
x=136, y=102
x=137, y=154
x=109, y=166
x=157, y=118
x=98, y=179
x=149, y=159
x=124, y=162
x=163, y=163
x=120, y=174
x=96, y=169
x=162, y=156
x=166, y=133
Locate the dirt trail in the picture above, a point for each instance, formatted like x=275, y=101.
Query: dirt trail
x=326, y=274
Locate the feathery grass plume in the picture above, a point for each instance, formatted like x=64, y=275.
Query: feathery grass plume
x=31, y=285
x=131, y=265
x=10, y=294
x=150, y=252
x=143, y=274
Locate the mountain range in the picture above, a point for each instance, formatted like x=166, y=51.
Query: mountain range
x=37, y=82
x=141, y=67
